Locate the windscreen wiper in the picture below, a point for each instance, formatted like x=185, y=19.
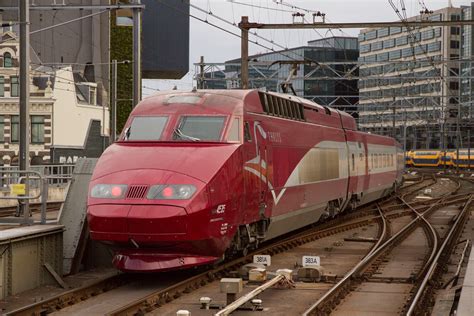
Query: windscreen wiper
x=179, y=133
x=127, y=133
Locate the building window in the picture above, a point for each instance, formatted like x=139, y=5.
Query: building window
x=401, y=41
x=376, y=46
x=395, y=30
x=365, y=48
x=370, y=35
x=454, y=85
x=454, y=44
x=396, y=54
x=92, y=96
x=2, y=128
x=434, y=47
x=437, y=32
x=7, y=60
x=14, y=86
x=389, y=43
x=436, y=17
x=382, y=57
x=429, y=34
x=37, y=129
x=382, y=32
x=15, y=128
x=455, y=17
x=415, y=37
x=370, y=58
x=2, y=86
x=406, y=52
x=455, y=30
x=420, y=49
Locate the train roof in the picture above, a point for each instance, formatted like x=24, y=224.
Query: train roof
x=330, y=117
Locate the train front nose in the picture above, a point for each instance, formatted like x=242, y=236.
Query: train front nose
x=143, y=207
x=137, y=224
x=153, y=224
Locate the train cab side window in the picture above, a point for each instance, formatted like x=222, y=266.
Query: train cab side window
x=247, y=136
x=234, y=132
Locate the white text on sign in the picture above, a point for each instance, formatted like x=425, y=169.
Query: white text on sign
x=311, y=261
x=262, y=259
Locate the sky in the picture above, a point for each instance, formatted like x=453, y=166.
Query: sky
x=218, y=46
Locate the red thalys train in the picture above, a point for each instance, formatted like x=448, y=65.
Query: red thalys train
x=199, y=175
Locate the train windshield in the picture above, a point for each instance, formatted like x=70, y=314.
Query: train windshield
x=146, y=128
x=199, y=128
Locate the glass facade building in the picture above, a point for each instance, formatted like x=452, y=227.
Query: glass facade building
x=319, y=66
x=408, y=83
x=467, y=72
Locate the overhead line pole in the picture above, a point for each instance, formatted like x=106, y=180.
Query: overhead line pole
x=113, y=103
x=244, y=69
x=137, y=58
x=24, y=151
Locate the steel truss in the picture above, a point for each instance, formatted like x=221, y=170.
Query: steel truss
x=418, y=119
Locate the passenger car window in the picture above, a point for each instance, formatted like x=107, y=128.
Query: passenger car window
x=147, y=128
x=196, y=128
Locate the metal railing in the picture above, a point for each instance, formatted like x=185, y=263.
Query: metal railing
x=29, y=185
x=54, y=174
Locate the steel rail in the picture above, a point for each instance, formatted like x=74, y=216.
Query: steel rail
x=378, y=251
x=146, y=303
x=161, y=297
x=458, y=270
x=143, y=304
x=71, y=297
x=247, y=297
x=429, y=228
x=344, y=281
x=384, y=232
x=400, y=234
x=77, y=295
x=434, y=263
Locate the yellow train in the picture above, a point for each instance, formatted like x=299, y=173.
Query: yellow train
x=409, y=158
x=447, y=159
x=426, y=158
x=437, y=158
x=465, y=159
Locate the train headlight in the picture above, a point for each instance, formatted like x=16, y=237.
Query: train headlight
x=171, y=192
x=109, y=191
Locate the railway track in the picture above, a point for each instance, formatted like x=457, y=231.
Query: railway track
x=363, y=281
x=168, y=292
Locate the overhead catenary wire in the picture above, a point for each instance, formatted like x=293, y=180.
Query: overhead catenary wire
x=281, y=53
x=259, y=7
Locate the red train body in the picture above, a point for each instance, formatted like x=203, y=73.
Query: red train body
x=199, y=175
